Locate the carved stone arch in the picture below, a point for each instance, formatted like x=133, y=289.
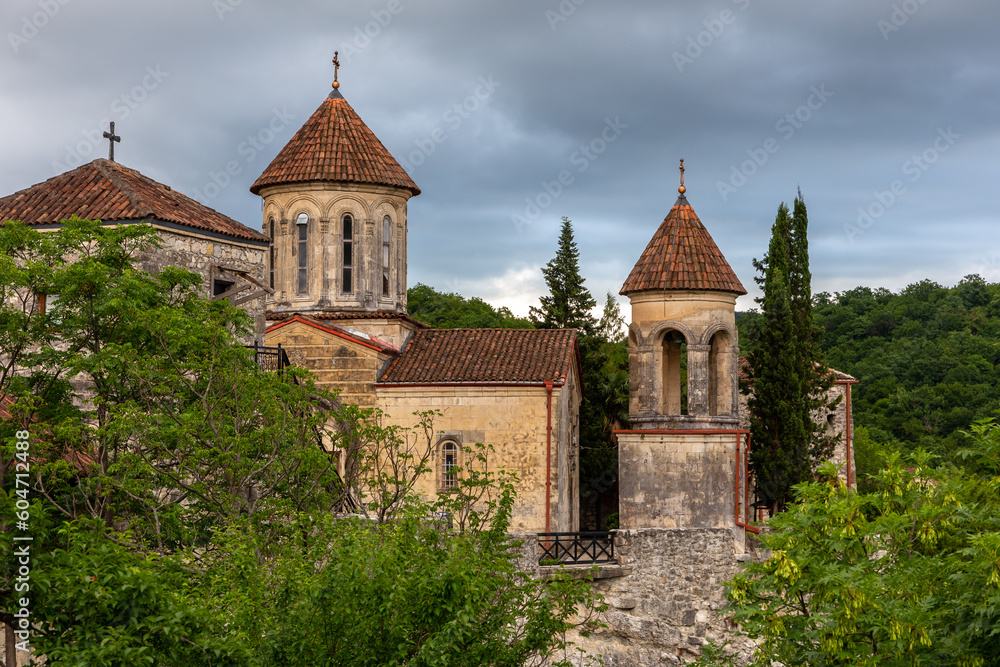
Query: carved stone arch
x=660, y=329
x=707, y=334
x=271, y=210
x=635, y=337
x=303, y=203
x=385, y=202
x=349, y=202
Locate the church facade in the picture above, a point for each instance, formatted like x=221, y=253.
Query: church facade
x=335, y=210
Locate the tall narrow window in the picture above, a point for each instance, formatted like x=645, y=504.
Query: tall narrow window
x=449, y=464
x=386, y=235
x=271, y=253
x=674, y=374
x=302, y=222
x=347, y=282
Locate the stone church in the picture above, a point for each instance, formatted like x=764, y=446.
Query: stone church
x=327, y=282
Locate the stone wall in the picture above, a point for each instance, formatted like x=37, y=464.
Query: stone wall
x=200, y=254
x=663, y=597
x=513, y=419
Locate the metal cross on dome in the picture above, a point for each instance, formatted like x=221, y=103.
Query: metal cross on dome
x=682, y=189
x=112, y=138
x=336, y=69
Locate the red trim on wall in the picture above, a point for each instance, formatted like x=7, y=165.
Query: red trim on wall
x=548, y=453
x=340, y=334
x=408, y=385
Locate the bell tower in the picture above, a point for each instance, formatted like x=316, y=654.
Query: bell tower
x=335, y=209
x=678, y=466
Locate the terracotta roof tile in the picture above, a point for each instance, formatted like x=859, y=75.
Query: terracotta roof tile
x=488, y=356
x=107, y=191
x=682, y=256
x=335, y=145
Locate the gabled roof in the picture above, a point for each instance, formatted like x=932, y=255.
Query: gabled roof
x=682, y=256
x=484, y=356
x=335, y=145
x=107, y=191
x=340, y=332
x=335, y=315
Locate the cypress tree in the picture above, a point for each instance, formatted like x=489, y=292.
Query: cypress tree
x=569, y=302
x=780, y=435
x=816, y=378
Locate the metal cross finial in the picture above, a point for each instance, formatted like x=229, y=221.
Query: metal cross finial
x=336, y=69
x=682, y=189
x=112, y=138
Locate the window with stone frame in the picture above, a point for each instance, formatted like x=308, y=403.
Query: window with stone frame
x=347, y=259
x=302, y=224
x=449, y=465
x=271, y=252
x=386, y=237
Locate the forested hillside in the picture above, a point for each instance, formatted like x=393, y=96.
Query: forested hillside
x=926, y=358
x=453, y=311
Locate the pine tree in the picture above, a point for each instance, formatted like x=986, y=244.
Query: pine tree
x=568, y=303
x=611, y=326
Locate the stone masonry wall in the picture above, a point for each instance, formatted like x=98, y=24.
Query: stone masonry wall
x=663, y=597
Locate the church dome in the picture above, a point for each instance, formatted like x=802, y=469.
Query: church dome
x=336, y=146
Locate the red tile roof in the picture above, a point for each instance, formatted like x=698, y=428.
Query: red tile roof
x=483, y=356
x=682, y=256
x=273, y=316
x=107, y=191
x=335, y=145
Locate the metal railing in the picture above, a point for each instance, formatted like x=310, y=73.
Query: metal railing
x=592, y=547
x=270, y=358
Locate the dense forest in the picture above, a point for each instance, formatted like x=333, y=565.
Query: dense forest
x=926, y=358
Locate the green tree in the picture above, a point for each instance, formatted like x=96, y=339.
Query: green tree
x=778, y=424
x=909, y=574
x=453, y=311
x=611, y=326
x=569, y=302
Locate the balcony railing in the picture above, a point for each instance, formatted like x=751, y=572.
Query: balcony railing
x=570, y=548
x=270, y=358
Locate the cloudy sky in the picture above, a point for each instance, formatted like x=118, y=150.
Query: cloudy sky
x=510, y=115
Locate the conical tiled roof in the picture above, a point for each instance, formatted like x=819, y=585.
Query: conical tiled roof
x=107, y=191
x=335, y=145
x=682, y=256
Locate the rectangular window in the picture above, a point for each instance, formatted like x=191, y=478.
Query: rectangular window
x=271, y=253
x=303, y=259
x=386, y=235
x=347, y=283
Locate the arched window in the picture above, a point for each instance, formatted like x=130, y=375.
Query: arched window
x=386, y=236
x=271, y=252
x=449, y=465
x=674, y=374
x=302, y=223
x=347, y=270
x=720, y=387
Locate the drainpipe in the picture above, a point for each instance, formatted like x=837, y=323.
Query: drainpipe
x=548, y=453
x=847, y=430
x=746, y=490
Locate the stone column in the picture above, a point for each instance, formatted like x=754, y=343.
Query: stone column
x=698, y=381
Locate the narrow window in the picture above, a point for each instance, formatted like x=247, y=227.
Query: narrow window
x=347, y=282
x=449, y=463
x=302, y=222
x=674, y=374
x=386, y=232
x=271, y=252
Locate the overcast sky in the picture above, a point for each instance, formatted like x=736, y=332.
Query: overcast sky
x=884, y=112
